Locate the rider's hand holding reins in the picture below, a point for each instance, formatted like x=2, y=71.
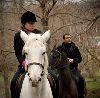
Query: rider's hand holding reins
x=70, y=60
x=24, y=65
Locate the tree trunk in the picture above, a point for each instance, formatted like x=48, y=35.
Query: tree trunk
x=2, y=40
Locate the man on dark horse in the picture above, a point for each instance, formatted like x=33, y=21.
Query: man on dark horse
x=28, y=20
x=74, y=57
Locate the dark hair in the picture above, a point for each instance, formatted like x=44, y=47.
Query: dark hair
x=28, y=17
x=65, y=35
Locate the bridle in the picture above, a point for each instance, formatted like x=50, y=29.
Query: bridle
x=35, y=63
x=38, y=64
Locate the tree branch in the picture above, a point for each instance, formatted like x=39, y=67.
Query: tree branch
x=54, y=3
x=68, y=14
x=66, y=26
x=92, y=55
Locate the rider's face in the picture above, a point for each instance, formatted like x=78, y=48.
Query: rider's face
x=67, y=39
x=29, y=26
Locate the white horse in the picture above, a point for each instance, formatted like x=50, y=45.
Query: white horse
x=35, y=83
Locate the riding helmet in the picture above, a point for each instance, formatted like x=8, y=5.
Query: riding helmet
x=28, y=17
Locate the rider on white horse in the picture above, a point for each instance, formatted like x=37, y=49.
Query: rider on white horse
x=28, y=20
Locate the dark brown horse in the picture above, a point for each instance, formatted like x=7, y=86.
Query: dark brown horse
x=67, y=87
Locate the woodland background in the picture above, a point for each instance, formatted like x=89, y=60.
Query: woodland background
x=80, y=18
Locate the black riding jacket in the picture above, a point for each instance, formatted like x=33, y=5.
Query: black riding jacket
x=18, y=45
x=72, y=51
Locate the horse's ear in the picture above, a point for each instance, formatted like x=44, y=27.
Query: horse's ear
x=24, y=36
x=46, y=36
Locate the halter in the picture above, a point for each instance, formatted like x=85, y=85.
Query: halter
x=35, y=63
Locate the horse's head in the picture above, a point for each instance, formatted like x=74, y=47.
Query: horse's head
x=58, y=59
x=35, y=55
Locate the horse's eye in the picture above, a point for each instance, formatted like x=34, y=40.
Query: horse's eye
x=28, y=74
x=43, y=53
x=26, y=53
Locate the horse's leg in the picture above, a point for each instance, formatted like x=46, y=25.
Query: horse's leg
x=74, y=91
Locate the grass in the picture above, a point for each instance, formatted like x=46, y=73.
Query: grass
x=1, y=78
x=93, y=85
x=93, y=89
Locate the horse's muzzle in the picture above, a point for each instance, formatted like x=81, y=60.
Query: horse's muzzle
x=35, y=83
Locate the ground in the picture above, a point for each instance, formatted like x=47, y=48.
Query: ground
x=93, y=88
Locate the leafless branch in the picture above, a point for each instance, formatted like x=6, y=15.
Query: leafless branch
x=7, y=51
x=76, y=23
x=92, y=55
x=70, y=15
x=54, y=3
x=90, y=25
x=39, y=1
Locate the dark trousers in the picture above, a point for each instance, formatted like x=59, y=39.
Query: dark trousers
x=13, y=87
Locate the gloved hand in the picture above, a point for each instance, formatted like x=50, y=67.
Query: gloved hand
x=70, y=60
x=24, y=65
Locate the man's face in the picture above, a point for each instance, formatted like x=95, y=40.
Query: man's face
x=30, y=26
x=67, y=39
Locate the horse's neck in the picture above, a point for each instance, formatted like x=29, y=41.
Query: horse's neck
x=65, y=61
